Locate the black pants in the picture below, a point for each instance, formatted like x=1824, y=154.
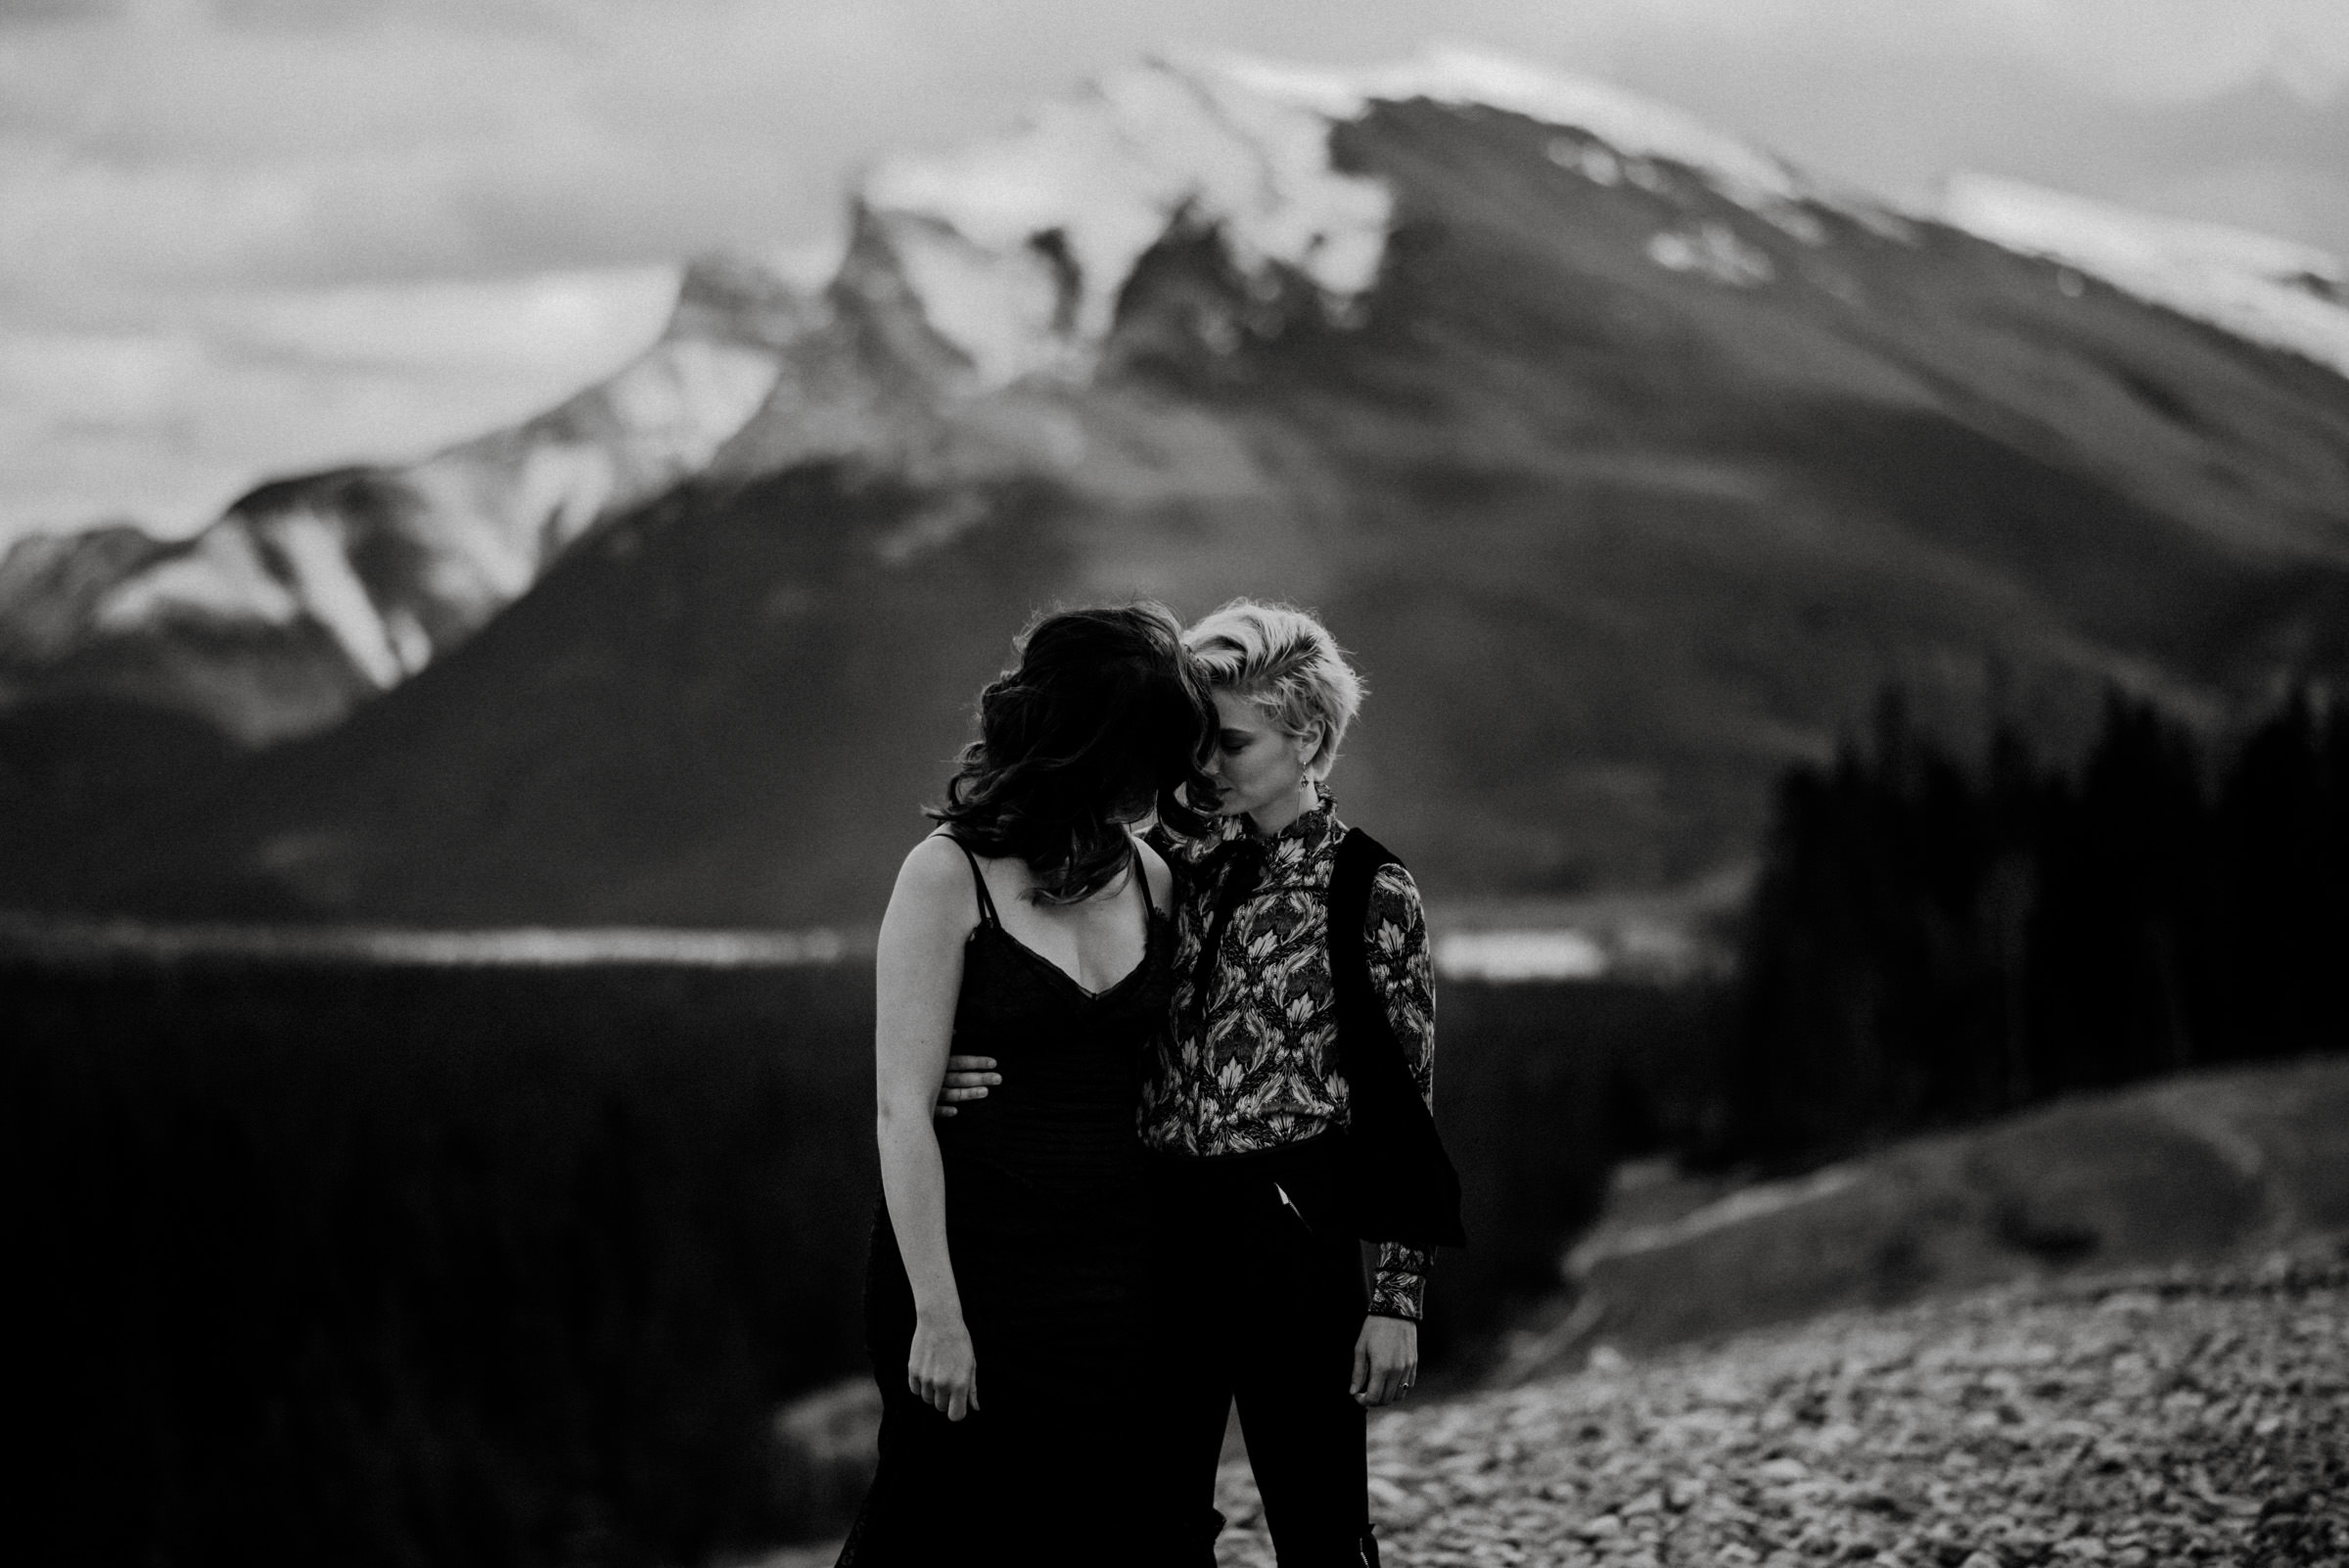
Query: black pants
x=1266, y=1300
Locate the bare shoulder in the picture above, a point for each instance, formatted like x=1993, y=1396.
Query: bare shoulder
x=1159, y=874
x=934, y=883
x=933, y=862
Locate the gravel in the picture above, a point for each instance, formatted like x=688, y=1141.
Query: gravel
x=2150, y=1418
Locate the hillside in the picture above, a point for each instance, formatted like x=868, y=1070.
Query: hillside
x=2154, y=1419
x=1629, y=461
x=2190, y=1169
x=2118, y=1318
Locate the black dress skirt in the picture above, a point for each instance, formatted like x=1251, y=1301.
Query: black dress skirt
x=1046, y=1227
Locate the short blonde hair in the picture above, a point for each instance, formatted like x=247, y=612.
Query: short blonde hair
x=1284, y=664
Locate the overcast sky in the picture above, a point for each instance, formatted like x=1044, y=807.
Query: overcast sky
x=239, y=237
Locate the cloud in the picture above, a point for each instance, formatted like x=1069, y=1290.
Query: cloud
x=2143, y=50
x=2178, y=51
x=295, y=141
x=2265, y=195
x=40, y=13
x=165, y=418
x=160, y=156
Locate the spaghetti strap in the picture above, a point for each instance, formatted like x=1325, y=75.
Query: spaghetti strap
x=987, y=900
x=1139, y=869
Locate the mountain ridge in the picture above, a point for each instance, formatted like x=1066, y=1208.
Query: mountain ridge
x=340, y=584
x=1631, y=471
x=1004, y=273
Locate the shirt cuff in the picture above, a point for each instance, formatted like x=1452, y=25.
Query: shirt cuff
x=1398, y=1290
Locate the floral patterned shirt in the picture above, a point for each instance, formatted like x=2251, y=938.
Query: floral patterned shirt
x=1253, y=1063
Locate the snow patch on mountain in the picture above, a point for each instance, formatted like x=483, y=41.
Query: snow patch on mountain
x=222, y=580
x=2269, y=291
x=1017, y=249
x=482, y=520
x=317, y=558
x=1632, y=126
x=1712, y=251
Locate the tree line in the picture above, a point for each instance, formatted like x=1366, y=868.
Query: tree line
x=390, y=1265
x=1932, y=942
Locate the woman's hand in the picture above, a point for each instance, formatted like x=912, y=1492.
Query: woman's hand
x=967, y=1079
x=941, y=1368
x=1386, y=1361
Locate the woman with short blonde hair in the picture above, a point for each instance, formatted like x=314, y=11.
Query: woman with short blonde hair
x=1285, y=664
x=1290, y=1113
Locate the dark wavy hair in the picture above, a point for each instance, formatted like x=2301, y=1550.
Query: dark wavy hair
x=1104, y=720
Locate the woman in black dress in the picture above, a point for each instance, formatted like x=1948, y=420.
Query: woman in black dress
x=1291, y=1114
x=1006, y=1298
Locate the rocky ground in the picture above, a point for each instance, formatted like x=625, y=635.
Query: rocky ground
x=2146, y=1418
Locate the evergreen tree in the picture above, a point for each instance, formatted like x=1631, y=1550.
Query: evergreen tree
x=1928, y=945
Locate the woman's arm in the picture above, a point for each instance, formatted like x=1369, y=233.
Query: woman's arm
x=1402, y=971
x=917, y=975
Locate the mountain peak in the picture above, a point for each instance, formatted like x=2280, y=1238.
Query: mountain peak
x=311, y=593
x=1017, y=249
x=747, y=297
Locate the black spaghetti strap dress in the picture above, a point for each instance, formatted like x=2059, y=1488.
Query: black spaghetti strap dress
x=1045, y=1224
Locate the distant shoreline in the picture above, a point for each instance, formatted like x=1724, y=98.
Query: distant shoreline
x=70, y=938
x=1532, y=953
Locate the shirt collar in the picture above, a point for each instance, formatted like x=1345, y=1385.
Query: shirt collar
x=1294, y=844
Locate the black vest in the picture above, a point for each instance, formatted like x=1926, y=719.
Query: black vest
x=1405, y=1187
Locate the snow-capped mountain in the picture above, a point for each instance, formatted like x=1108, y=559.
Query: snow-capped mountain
x=1632, y=461
x=1015, y=251
x=312, y=594
x=2276, y=291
